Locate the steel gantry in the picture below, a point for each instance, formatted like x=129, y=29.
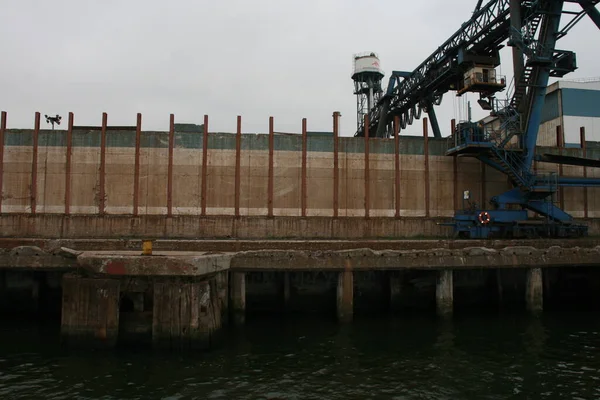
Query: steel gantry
x=466, y=62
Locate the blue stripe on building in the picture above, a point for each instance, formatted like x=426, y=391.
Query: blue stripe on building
x=581, y=102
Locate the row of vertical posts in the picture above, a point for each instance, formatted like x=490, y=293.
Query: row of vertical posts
x=444, y=292
x=270, y=189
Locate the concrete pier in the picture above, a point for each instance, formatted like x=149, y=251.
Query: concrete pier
x=186, y=315
x=499, y=288
x=90, y=311
x=222, y=284
x=138, y=301
x=395, y=282
x=345, y=296
x=444, y=293
x=237, y=297
x=534, y=290
x=287, y=293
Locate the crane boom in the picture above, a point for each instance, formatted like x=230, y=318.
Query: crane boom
x=481, y=37
x=409, y=93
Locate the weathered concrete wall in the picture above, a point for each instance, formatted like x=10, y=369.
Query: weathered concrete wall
x=437, y=197
x=194, y=227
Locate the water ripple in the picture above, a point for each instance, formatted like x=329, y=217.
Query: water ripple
x=491, y=358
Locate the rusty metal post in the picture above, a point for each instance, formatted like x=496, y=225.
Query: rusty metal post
x=136, y=177
x=454, y=168
x=204, y=166
x=426, y=154
x=102, y=195
x=397, y=164
x=170, y=166
x=2, y=133
x=270, y=182
x=367, y=177
x=36, y=134
x=336, y=172
x=238, y=164
x=304, y=150
x=68, y=165
x=584, y=155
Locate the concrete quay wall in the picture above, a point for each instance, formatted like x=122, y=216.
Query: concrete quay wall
x=181, y=300
x=54, y=226
x=118, y=263
x=251, y=185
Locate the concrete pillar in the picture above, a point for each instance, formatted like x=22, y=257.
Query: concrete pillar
x=444, y=293
x=534, y=290
x=345, y=296
x=395, y=282
x=237, y=297
x=186, y=314
x=90, y=311
x=3, y=300
x=499, y=289
x=35, y=293
x=222, y=282
x=138, y=301
x=287, y=293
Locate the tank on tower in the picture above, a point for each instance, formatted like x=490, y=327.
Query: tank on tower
x=367, y=75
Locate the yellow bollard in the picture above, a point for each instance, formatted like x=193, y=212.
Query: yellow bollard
x=147, y=248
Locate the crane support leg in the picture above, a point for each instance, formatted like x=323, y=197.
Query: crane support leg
x=591, y=11
x=517, y=53
x=548, y=42
x=435, y=127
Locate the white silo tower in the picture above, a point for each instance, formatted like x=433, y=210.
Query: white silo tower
x=367, y=75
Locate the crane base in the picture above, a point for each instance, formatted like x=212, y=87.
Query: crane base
x=488, y=224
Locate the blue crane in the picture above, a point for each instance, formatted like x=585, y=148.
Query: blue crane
x=466, y=63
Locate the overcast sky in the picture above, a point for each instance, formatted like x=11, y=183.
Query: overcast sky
x=289, y=59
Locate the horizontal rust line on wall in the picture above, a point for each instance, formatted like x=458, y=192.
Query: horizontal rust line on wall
x=108, y=128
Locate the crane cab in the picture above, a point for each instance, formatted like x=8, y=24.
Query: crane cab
x=481, y=78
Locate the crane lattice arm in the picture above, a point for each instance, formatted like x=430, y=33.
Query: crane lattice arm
x=477, y=41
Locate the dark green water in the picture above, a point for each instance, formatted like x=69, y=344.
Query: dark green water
x=478, y=357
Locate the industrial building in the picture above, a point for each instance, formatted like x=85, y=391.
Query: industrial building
x=571, y=104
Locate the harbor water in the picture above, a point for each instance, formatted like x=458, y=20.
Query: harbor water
x=500, y=356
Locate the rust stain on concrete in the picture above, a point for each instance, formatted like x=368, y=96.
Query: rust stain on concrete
x=116, y=268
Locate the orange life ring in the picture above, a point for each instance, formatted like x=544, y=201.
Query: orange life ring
x=484, y=217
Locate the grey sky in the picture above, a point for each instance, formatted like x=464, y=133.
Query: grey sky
x=288, y=59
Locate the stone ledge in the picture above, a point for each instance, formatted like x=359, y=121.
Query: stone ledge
x=367, y=259
x=165, y=263
x=236, y=245
x=132, y=263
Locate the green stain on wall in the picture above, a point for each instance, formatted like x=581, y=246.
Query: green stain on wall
x=316, y=142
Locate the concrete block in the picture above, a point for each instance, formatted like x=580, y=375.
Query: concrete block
x=186, y=315
x=90, y=311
